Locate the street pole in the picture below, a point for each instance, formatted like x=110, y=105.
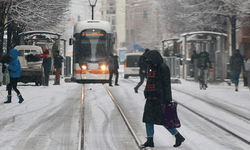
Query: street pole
x=92, y=5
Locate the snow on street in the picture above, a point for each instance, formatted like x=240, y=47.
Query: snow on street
x=49, y=117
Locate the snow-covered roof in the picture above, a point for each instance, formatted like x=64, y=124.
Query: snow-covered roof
x=171, y=39
x=203, y=32
x=92, y=24
x=39, y=32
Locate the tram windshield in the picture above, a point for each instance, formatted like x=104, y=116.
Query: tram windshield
x=92, y=46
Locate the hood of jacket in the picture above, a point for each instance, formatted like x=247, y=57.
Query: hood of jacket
x=237, y=53
x=14, y=53
x=154, y=56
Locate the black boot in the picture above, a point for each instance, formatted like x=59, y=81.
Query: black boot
x=148, y=143
x=136, y=90
x=179, y=139
x=8, y=99
x=20, y=98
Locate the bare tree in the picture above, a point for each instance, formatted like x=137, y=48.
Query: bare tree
x=208, y=15
x=26, y=15
x=4, y=9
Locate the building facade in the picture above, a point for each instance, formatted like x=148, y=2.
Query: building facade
x=114, y=12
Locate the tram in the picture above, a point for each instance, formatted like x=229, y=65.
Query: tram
x=92, y=43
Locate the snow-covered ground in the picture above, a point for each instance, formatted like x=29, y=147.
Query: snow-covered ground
x=49, y=117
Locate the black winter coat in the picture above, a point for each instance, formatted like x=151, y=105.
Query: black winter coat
x=58, y=61
x=143, y=65
x=237, y=62
x=203, y=60
x=153, y=113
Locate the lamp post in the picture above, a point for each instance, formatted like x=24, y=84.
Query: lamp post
x=92, y=5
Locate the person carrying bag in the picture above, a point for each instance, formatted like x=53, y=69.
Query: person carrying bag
x=158, y=97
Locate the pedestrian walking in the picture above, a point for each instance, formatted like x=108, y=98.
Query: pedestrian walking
x=113, y=68
x=143, y=70
x=157, y=93
x=46, y=65
x=58, y=66
x=236, y=64
x=247, y=65
x=203, y=64
x=15, y=72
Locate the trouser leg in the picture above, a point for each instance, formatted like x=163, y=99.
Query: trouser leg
x=205, y=75
x=172, y=131
x=141, y=81
x=46, y=75
x=58, y=70
x=150, y=130
x=116, y=76
x=110, y=76
x=13, y=84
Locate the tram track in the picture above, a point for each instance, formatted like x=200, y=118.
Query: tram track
x=83, y=120
x=208, y=101
x=81, y=131
x=211, y=120
x=137, y=140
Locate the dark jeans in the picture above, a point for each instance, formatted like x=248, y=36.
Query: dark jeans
x=13, y=84
x=111, y=72
x=150, y=130
x=142, y=76
x=46, y=75
x=236, y=75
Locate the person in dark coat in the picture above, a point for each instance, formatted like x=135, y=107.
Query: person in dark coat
x=113, y=68
x=236, y=64
x=14, y=67
x=157, y=92
x=203, y=64
x=46, y=65
x=143, y=70
x=58, y=65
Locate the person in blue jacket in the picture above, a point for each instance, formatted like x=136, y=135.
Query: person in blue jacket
x=15, y=72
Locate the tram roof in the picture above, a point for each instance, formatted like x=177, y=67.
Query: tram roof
x=40, y=32
x=203, y=32
x=90, y=24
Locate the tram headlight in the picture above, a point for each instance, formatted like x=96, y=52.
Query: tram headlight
x=84, y=67
x=103, y=67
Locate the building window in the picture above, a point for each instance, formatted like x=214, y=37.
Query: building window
x=111, y=9
x=113, y=20
x=132, y=35
x=127, y=35
x=145, y=15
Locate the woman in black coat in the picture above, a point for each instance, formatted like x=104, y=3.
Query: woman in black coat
x=157, y=93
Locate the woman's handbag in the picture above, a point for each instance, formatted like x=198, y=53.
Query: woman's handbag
x=170, y=115
x=6, y=77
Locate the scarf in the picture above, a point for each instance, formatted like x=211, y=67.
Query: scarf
x=150, y=92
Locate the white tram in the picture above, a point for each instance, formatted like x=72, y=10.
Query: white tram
x=92, y=43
